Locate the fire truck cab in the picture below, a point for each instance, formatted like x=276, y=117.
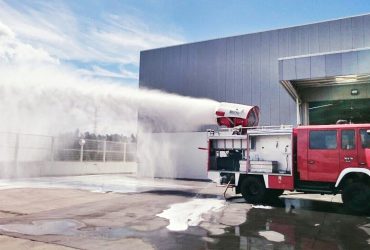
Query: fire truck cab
x=262, y=162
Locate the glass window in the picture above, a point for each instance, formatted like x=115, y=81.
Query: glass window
x=323, y=139
x=348, y=139
x=365, y=138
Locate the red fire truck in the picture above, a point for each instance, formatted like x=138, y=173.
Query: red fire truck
x=262, y=162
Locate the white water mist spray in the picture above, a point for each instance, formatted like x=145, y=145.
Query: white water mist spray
x=39, y=95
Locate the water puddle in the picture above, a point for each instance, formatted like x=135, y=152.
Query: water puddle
x=45, y=227
x=112, y=232
x=276, y=228
x=297, y=224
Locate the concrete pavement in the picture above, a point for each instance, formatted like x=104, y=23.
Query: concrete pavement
x=123, y=212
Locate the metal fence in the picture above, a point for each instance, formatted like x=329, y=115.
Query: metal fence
x=28, y=147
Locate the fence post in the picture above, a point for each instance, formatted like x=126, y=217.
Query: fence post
x=16, y=148
x=82, y=143
x=82, y=153
x=124, y=151
x=104, y=150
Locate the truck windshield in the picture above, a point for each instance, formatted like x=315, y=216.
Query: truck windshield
x=365, y=138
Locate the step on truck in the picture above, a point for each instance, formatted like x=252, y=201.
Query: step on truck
x=262, y=162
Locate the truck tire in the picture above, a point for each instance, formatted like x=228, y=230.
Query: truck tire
x=356, y=197
x=253, y=190
x=273, y=194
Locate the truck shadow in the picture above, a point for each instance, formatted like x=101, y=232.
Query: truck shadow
x=291, y=205
x=188, y=194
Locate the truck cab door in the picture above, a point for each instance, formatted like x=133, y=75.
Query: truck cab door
x=348, y=149
x=363, y=146
x=323, y=155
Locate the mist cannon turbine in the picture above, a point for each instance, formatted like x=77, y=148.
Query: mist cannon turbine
x=232, y=115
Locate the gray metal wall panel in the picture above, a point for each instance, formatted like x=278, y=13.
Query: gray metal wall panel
x=274, y=88
x=144, y=68
x=284, y=111
x=317, y=66
x=333, y=64
x=294, y=45
x=222, y=70
x=230, y=69
x=281, y=70
x=366, y=21
x=324, y=37
x=265, y=69
x=346, y=33
x=349, y=63
x=286, y=102
x=211, y=69
x=238, y=69
x=177, y=76
x=191, y=88
x=203, y=71
x=304, y=40
x=167, y=61
x=184, y=69
x=256, y=69
x=289, y=71
x=313, y=33
x=335, y=36
x=245, y=68
x=358, y=32
x=303, y=68
x=363, y=61
x=155, y=69
x=283, y=42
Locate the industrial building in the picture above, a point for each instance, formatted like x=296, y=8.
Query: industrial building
x=311, y=74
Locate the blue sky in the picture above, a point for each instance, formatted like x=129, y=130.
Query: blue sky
x=103, y=38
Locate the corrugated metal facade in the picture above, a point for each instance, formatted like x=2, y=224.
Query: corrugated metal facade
x=245, y=69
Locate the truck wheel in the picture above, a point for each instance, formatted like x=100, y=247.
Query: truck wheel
x=356, y=197
x=273, y=194
x=253, y=190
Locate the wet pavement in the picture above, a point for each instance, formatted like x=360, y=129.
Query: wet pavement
x=313, y=225
x=125, y=212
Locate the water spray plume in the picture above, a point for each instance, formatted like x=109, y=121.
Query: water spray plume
x=40, y=95
x=50, y=100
